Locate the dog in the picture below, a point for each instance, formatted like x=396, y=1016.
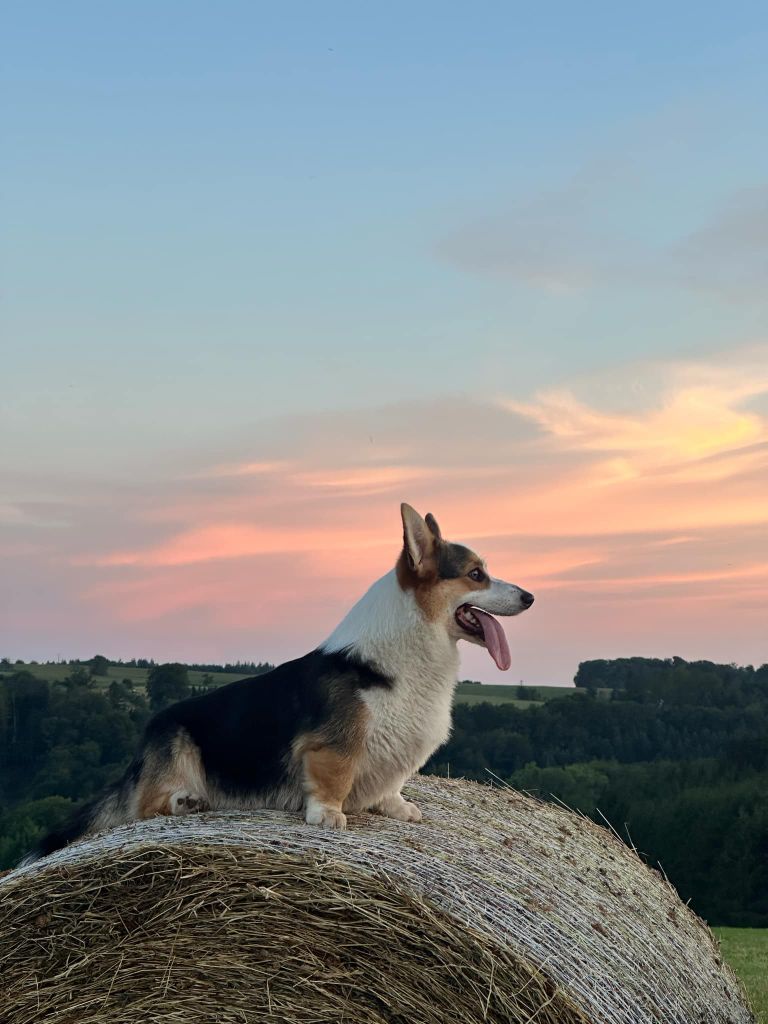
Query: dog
x=339, y=730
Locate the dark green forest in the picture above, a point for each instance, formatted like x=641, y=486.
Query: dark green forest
x=673, y=754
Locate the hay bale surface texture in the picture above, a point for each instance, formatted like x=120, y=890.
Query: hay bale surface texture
x=496, y=908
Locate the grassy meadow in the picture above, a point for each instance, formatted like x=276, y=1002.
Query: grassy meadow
x=482, y=693
x=746, y=950
x=138, y=676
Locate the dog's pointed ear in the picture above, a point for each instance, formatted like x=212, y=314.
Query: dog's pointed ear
x=434, y=529
x=418, y=539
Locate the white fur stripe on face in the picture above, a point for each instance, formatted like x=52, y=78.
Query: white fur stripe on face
x=500, y=598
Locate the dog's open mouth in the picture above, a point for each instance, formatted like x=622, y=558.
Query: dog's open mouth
x=487, y=630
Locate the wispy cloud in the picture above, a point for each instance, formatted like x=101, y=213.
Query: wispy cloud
x=366, y=480
x=236, y=469
x=729, y=254
x=700, y=412
x=569, y=240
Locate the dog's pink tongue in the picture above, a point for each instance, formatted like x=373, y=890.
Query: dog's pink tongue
x=495, y=640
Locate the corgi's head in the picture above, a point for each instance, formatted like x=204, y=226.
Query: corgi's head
x=453, y=588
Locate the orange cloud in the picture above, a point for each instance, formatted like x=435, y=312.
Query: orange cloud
x=699, y=414
x=742, y=572
x=589, y=472
x=233, y=540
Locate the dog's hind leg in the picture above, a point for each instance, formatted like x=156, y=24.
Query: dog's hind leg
x=172, y=779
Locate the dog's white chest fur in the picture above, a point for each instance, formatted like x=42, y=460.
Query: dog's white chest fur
x=407, y=724
x=411, y=719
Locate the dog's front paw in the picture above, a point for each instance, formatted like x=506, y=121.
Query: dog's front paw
x=397, y=808
x=406, y=812
x=326, y=817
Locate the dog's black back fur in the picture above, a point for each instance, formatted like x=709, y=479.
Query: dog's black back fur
x=245, y=729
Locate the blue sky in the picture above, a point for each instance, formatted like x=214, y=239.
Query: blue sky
x=221, y=219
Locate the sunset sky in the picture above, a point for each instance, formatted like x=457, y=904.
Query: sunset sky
x=269, y=270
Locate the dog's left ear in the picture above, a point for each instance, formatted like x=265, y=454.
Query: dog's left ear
x=418, y=539
x=431, y=522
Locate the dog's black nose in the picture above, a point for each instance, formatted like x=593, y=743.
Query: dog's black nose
x=526, y=598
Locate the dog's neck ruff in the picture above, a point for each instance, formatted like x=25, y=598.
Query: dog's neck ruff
x=387, y=629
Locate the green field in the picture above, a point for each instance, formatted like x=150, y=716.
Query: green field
x=119, y=672
x=498, y=693
x=466, y=693
x=477, y=698
x=746, y=950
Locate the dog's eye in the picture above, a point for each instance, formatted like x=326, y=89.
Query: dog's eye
x=477, y=575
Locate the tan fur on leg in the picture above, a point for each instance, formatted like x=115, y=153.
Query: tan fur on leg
x=328, y=779
x=330, y=760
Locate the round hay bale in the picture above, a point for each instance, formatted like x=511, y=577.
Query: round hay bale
x=496, y=908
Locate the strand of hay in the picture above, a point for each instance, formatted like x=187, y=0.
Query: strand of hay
x=496, y=908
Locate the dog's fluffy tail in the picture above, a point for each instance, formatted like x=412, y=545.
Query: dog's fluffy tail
x=108, y=809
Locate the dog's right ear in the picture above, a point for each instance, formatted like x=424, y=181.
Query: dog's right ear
x=418, y=539
x=431, y=522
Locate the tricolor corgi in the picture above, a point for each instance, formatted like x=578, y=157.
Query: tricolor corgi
x=339, y=730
